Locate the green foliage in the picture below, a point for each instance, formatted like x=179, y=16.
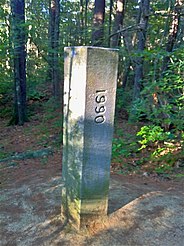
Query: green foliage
x=162, y=101
x=179, y=175
x=6, y=112
x=37, y=95
x=164, y=147
x=123, y=146
x=3, y=154
x=151, y=134
x=123, y=99
x=164, y=168
x=5, y=62
x=6, y=94
x=166, y=162
x=119, y=149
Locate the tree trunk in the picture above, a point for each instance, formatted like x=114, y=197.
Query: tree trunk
x=19, y=42
x=126, y=74
x=141, y=34
x=82, y=20
x=98, y=23
x=86, y=20
x=172, y=33
x=120, y=8
x=53, y=57
x=110, y=21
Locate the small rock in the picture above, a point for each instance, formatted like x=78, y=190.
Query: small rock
x=145, y=174
x=179, y=163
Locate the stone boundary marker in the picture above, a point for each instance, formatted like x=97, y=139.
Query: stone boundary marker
x=89, y=103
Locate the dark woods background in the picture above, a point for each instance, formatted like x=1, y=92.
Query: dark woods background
x=148, y=34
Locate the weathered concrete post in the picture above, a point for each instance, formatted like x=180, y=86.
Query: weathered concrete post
x=89, y=102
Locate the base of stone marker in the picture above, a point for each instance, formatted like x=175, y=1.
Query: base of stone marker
x=83, y=218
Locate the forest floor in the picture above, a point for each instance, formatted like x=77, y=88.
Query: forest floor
x=144, y=208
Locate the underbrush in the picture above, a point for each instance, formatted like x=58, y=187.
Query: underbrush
x=150, y=150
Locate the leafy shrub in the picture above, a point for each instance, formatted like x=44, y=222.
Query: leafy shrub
x=162, y=98
x=119, y=149
x=166, y=147
x=151, y=134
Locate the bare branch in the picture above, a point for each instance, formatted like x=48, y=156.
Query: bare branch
x=134, y=27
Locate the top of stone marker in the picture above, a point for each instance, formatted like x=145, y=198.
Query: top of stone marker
x=92, y=47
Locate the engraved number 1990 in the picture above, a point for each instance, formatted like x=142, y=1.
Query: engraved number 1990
x=100, y=109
